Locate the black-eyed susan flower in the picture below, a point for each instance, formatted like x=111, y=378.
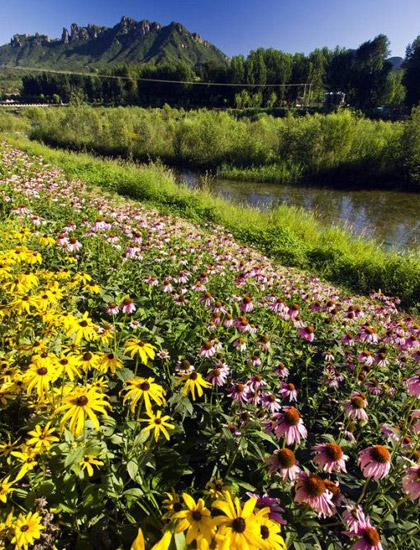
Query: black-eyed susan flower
x=194, y=382
x=40, y=374
x=144, y=389
x=6, y=487
x=270, y=531
x=109, y=362
x=68, y=365
x=27, y=529
x=88, y=462
x=80, y=404
x=42, y=437
x=158, y=424
x=196, y=520
x=143, y=350
x=81, y=328
x=239, y=526
x=27, y=457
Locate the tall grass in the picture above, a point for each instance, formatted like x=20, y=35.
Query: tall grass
x=287, y=234
x=338, y=147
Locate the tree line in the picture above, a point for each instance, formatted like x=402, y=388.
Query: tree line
x=362, y=78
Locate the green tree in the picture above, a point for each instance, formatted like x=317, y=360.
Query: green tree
x=412, y=73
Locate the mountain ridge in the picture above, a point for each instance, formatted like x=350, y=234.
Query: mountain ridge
x=129, y=41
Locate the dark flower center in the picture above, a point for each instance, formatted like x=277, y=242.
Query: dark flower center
x=380, y=454
x=196, y=515
x=24, y=528
x=333, y=451
x=358, y=403
x=265, y=532
x=81, y=401
x=238, y=525
x=83, y=324
x=291, y=416
x=371, y=536
x=145, y=386
x=286, y=458
x=193, y=376
x=315, y=486
x=42, y=371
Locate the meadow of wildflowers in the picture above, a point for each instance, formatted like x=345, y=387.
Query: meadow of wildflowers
x=163, y=387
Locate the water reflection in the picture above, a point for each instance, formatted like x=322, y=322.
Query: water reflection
x=391, y=217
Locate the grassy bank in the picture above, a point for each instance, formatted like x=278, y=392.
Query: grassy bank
x=336, y=148
x=287, y=234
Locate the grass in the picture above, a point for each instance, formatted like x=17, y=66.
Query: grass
x=287, y=234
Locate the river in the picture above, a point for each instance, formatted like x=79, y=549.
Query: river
x=390, y=217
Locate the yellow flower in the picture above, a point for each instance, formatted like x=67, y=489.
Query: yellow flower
x=46, y=240
x=27, y=458
x=239, y=528
x=81, y=403
x=172, y=504
x=5, y=489
x=27, y=529
x=270, y=532
x=109, y=362
x=159, y=424
x=92, y=288
x=146, y=389
x=194, y=382
x=82, y=328
x=135, y=347
x=7, y=447
x=42, y=438
x=87, y=360
x=216, y=488
x=68, y=364
x=138, y=542
x=88, y=462
x=40, y=374
x=196, y=520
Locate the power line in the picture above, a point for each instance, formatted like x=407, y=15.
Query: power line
x=157, y=80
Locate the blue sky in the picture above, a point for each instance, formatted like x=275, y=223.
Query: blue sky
x=235, y=26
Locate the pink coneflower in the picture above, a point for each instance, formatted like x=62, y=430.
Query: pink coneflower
x=240, y=344
x=228, y=320
x=73, y=245
x=163, y=354
x=218, y=375
x=348, y=339
x=113, y=309
x=381, y=359
x=270, y=402
x=411, y=483
x=272, y=503
x=355, y=407
x=242, y=324
x=329, y=457
x=183, y=367
x=354, y=518
x=369, y=537
x=415, y=415
x=281, y=370
x=278, y=306
x=265, y=344
x=208, y=349
x=206, y=298
x=365, y=357
x=284, y=463
x=219, y=307
x=289, y=391
x=413, y=385
x=311, y=490
x=239, y=392
x=151, y=281
x=368, y=334
x=257, y=382
x=134, y=324
x=128, y=306
x=246, y=304
x=167, y=285
x=290, y=424
x=375, y=461
x=390, y=432
x=307, y=333
x=293, y=311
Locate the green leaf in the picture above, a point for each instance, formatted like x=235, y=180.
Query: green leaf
x=132, y=469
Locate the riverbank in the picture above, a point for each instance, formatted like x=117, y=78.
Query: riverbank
x=340, y=148
x=286, y=234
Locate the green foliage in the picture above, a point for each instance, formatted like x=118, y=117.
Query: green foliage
x=339, y=147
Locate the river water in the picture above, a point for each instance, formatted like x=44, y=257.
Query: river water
x=390, y=217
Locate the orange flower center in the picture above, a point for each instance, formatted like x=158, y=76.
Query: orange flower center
x=292, y=416
x=333, y=451
x=315, y=486
x=286, y=458
x=371, y=536
x=380, y=454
